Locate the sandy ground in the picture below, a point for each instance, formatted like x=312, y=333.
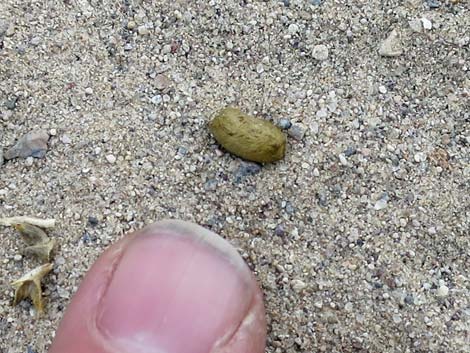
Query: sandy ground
x=359, y=237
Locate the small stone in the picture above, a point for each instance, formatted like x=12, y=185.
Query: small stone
x=33, y=144
x=1, y=157
x=426, y=23
x=298, y=285
x=433, y=4
x=260, y=68
x=348, y=307
x=409, y=299
x=348, y=152
x=420, y=157
x=442, y=291
x=11, y=103
x=65, y=139
x=131, y=25
x=293, y=28
x=157, y=99
x=93, y=221
x=382, y=89
x=289, y=208
x=297, y=131
x=396, y=318
x=381, y=203
x=279, y=230
x=53, y=132
x=211, y=185
x=342, y=159
x=245, y=169
x=111, y=158
x=143, y=30
x=391, y=46
x=17, y=257
x=284, y=124
x=416, y=25
x=89, y=91
x=322, y=113
x=320, y=52
x=316, y=2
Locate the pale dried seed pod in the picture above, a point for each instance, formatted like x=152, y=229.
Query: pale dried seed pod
x=29, y=286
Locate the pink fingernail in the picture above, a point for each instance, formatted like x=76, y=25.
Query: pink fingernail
x=175, y=290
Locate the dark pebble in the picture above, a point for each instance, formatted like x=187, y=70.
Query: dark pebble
x=348, y=152
x=11, y=103
x=433, y=4
x=30, y=350
x=245, y=169
x=211, y=185
x=93, y=221
x=289, y=208
x=409, y=299
x=280, y=231
x=284, y=124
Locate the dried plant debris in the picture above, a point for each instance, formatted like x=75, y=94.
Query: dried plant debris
x=248, y=137
x=39, y=243
x=29, y=286
x=43, y=223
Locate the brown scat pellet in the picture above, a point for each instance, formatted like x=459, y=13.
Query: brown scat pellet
x=248, y=137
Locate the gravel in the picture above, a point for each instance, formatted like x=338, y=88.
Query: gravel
x=399, y=94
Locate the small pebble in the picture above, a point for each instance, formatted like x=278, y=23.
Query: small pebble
x=297, y=131
x=320, y=52
x=433, y=4
x=1, y=157
x=33, y=144
x=382, y=89
x=53, y=132
x=111, y=158
x=420, y=157
x=442, y=291
x=381, y=203
x=17, y=257
x=349, y=151
x=416, y=25
x=426, y=23
x=298, y=285
x=88, y=90
x=284, y=124
x=391, y=46
x=11, y=103
x=211, y=185
x=162, y=82
x=279, y=230
x=65, y=139
x=245, y=169
x=293, y=28
x=92, y=221
x=316, y=2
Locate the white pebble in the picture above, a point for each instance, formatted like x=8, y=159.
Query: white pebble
x=293, y=28
x=88, y=90
x=426, y=23
x=420, y=157
x=65, y=139
x=382, y=89
x=442, y=291
x=17, y=257
x=298, y=285
x=320, y=52
x=110, y=158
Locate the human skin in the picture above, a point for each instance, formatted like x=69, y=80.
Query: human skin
x=172, y=287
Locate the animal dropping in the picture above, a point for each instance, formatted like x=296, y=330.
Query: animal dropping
x=248, y=137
